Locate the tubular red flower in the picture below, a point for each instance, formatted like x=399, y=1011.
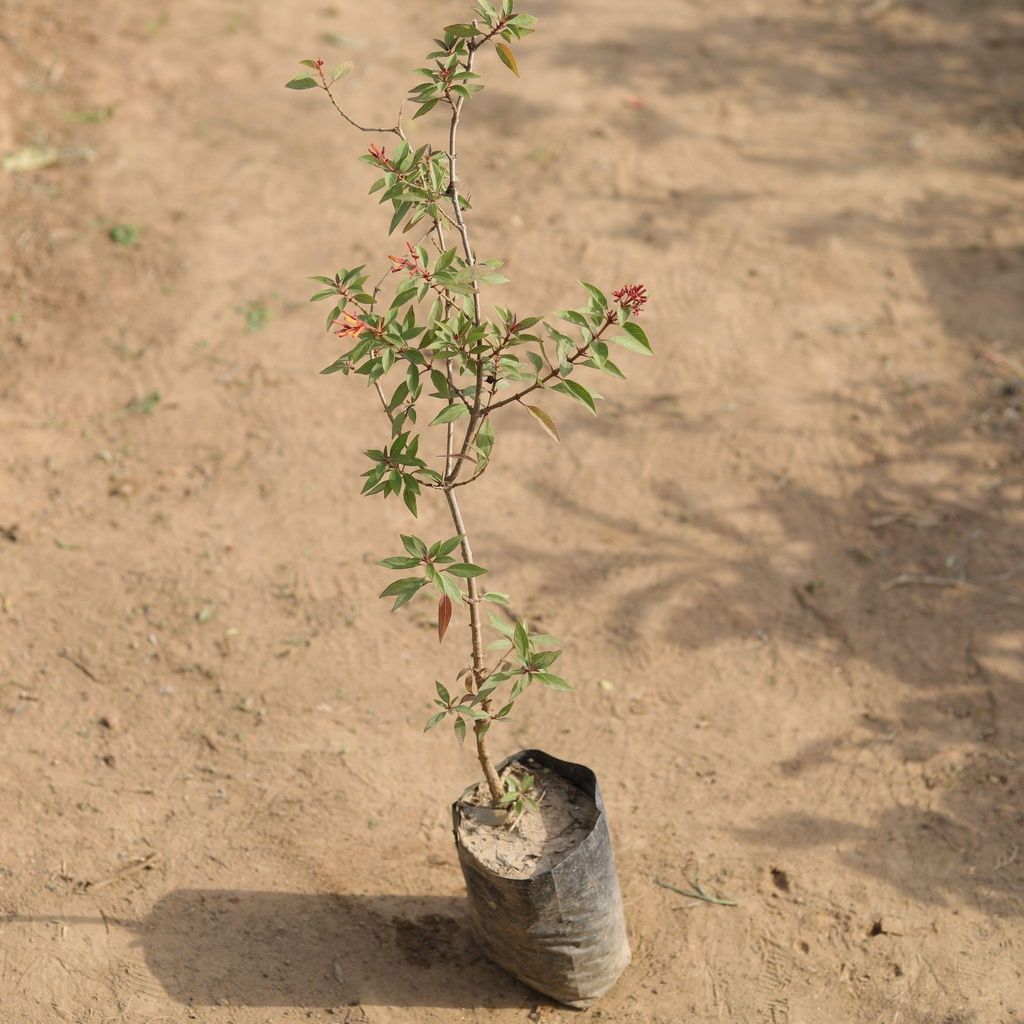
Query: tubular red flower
x=633, y=297
x=350, y=326
x=410, y=263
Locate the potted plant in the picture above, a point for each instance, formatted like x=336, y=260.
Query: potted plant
x=532, y=835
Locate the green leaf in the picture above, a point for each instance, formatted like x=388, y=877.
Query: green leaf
x=449, y=414
x=414, y=546
x=401, y=586
x=635, y=340
x=495, y=597
x=340, y=71
x=555, y=682
x=400, y=211
x=450, y=588
x=546, y=422
x=405, y=294
x=597, y=295
x=573, y=317
x=340, y=363
x=485, y=439
x=407, y=596
x=460, y=729
x=463, y=31
x=542, y=659
x=444, y=547
x=500, y=625
x=442, y=692
x=302, y=82
x=465, y=570
x=404, y=593
x=399, y=562
x=543, y=639
x=444, y=584
x=409, y=495
x=577, y=391
x=508, y=58
x=606, y=366
x=520, y=639
x=519, y=686
x=435, y=719
x=425, y=108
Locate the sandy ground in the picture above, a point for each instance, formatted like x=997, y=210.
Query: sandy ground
x=786, y=559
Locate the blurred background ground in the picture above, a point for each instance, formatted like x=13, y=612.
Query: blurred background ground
x=797, y=534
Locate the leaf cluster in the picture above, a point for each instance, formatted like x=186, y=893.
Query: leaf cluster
x=520, y=795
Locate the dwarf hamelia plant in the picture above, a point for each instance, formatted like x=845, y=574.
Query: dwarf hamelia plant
x=438, y=359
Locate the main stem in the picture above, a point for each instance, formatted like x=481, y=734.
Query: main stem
x=467, y=251
x=477, y=638
x=453, y=466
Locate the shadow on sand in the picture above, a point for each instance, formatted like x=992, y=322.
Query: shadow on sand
x=211, y=947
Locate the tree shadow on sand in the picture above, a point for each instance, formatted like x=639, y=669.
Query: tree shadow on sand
x=922, y=66
x=913, y=572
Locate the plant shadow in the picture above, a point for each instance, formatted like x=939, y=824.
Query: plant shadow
x=211, y=947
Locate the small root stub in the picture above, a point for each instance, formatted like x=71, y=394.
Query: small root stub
x=544, y=897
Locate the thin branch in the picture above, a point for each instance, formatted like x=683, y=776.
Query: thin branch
x=511, y=648
x=383, y=400
x=476, y=476
x=541, y=381
x=397, y=130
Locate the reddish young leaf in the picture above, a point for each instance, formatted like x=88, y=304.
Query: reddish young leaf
x=444, y=616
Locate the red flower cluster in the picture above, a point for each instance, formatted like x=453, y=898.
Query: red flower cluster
x=410, y=263
x=379, y=153
x=633, y=297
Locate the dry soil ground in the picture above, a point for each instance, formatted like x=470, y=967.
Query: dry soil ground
x=786, y=558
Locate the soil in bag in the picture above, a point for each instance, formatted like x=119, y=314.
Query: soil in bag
x=543, y=894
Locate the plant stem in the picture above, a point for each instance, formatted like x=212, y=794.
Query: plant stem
x=467, y=251
x=477, y=638
x=397, y=130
